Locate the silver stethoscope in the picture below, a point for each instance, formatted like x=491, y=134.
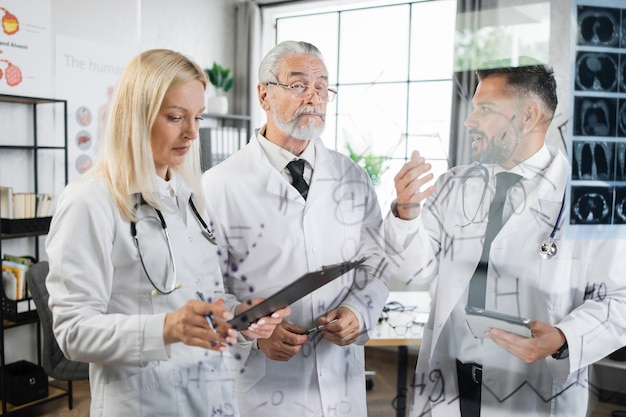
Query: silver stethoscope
x=548, y=248
x=206, y=232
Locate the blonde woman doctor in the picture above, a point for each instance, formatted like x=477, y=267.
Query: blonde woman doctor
x=131, y=251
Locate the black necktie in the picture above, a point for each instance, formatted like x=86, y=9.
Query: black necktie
x=297, y=169
x=478, y=284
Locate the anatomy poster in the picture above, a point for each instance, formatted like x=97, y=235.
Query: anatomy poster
x=598, y=121
x=86, y=73
x=25, y=48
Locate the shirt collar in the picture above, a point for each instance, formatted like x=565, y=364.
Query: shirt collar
x=279, y=157
x=169, y=187
x=532, y=166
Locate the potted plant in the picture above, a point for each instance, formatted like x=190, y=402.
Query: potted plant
x=222, y=79
x=373, y=164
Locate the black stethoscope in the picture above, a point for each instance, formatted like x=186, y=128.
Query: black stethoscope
x=484, y=173
x=548, y=248
x=206, y=232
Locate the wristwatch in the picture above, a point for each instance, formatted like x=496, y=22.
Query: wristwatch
x=562, y=353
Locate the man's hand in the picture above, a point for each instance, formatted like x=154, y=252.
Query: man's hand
x=545, y=341
x=344, y=329
x=409, y=180
x=284, y=343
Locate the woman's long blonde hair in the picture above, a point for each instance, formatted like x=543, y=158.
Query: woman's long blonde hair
x=126, y=159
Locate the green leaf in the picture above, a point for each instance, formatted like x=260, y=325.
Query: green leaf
x=373, y=164
x=221, y=78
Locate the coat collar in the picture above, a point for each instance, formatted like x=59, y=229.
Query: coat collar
x=279, y=186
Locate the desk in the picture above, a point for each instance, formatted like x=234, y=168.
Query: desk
x=418, y=305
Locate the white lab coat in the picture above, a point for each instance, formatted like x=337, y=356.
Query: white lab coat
x=105, y=313
x=551, y=290
x=274, y=237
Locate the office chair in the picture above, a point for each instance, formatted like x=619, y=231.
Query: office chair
x=55, y=364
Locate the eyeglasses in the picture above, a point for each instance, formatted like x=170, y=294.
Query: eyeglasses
x=412, y=327
x=299, y=90
x=400, y=312
x=156, y=254
x=396, y=306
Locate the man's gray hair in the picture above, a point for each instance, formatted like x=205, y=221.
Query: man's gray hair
x=270, y=65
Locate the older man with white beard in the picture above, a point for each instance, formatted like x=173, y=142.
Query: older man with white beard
x=281, y=221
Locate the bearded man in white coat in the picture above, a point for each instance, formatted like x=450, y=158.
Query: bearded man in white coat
x=276, y=233
x=437, y=233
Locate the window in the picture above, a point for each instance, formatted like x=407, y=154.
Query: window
x=392, y=65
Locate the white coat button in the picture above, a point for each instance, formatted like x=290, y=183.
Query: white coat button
x=315, y=249
x=439, y=324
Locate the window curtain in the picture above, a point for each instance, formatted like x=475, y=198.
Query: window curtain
x=247, y=59
x=463, y=90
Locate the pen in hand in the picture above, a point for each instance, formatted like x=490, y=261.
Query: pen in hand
x=318, y=328
x=209, y=319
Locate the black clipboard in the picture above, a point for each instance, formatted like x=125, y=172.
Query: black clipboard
x=304, y=285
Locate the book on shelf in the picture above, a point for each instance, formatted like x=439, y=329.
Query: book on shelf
x=14, y=280
x=6, y=202
x=25, y=205
x=44, y=205
x=14, y=275
x=24, y=260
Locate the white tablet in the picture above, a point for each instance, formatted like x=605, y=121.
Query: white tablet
x=481, y=321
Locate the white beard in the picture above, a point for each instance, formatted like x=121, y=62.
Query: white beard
x=310, y=131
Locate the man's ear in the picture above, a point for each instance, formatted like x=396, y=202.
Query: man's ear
x=532, y=116
x=263, y=99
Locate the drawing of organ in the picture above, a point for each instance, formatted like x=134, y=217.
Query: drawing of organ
x=12, y=73
x=10, y=24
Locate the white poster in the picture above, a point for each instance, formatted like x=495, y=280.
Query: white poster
x=25, y=48
x=86, y=73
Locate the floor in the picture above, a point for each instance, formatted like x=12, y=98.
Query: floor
x=380, y=398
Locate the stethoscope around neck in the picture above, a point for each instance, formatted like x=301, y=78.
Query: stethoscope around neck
x=548, y=248
x=206, y=232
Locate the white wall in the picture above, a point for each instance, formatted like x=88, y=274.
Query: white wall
x=202, y=29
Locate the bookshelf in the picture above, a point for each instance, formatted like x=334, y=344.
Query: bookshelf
x=33, y=159
x=221, y=135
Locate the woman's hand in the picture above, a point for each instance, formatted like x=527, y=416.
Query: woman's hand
x=265, y=326
x=190, y=325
